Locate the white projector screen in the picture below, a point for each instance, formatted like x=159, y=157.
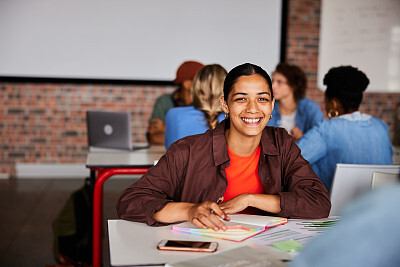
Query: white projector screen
x=364, y=34
x=143, y=40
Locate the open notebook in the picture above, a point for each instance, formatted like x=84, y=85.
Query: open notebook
x=240, y=227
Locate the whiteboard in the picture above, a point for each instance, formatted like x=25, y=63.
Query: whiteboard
x=364, y=34
x=134, y=39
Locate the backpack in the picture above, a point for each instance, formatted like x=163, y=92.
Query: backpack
x=72, y=228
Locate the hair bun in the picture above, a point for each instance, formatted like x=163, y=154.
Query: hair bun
x=346, y=79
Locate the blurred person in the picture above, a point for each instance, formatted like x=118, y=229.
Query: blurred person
x=349, y=136
x=180, y=98
x=292, y=110
x=205, y=113
x=367, y=234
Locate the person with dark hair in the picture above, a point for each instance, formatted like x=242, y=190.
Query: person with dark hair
x=240, y=166
x=205, y=113
x=349, y=136
x=293, y=111
x=180, y=98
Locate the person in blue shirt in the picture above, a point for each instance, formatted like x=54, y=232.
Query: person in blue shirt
x=292, y=110
x=205, y=113
x=367, y=234
x=348, y=137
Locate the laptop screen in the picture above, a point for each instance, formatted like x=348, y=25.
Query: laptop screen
x=109, y=129
x=353, y=180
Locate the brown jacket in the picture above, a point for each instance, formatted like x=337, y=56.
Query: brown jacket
x=193, y=170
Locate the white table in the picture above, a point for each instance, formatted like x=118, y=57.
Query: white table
x=109, y=162
x=133, y=243
x=115, y=158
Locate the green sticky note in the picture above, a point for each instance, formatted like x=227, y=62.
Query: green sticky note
x=288, y=245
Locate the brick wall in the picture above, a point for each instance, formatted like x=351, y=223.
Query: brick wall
x=46, y=123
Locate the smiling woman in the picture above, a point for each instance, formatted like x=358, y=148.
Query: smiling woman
x=240, y=166
x=248, y=101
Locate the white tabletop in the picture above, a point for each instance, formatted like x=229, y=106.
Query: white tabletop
x=133, y=243
x=108, y=158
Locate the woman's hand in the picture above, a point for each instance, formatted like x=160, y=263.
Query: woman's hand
x=236, y=204
x=269, y=203
x=205, y=215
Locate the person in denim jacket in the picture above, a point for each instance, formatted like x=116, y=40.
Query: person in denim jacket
x=293, y=111
x=349, y=136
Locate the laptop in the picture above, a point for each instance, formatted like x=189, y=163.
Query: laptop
x=110, y=130
x=351, y=181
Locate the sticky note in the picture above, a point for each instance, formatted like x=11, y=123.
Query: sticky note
x=288, y=245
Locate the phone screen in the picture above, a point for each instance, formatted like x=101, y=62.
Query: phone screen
x=187, y=244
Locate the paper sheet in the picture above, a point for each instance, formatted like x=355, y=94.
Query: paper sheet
x=301, y=231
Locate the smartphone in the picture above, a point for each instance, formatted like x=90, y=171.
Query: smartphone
x=184, y=245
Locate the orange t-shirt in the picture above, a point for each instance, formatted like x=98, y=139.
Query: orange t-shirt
x=242, y=175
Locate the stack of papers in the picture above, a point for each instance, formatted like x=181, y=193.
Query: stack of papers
x=240, y=227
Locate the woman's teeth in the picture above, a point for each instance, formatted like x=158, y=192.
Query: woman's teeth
x=251, y=120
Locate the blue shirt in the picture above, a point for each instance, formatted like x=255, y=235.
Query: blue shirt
x=184, y=121
x=308, y=114
x=350, y=139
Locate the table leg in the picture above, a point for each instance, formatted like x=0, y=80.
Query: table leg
x=97, y=216
x=103, y=175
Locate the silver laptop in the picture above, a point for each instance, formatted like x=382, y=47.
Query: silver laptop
x=352, y=181
x=109, y=129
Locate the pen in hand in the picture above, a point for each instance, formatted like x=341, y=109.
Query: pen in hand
x=219, y=201
x=223, y=216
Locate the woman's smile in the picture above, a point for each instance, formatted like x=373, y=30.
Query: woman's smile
x=252, y=121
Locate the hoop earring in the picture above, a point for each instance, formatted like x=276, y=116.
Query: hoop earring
x=333, y=113
x=270, y=117
x=226, y=115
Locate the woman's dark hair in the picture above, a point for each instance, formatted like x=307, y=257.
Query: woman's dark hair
x=296, y=78
x=246, y=69
x=347, y=84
